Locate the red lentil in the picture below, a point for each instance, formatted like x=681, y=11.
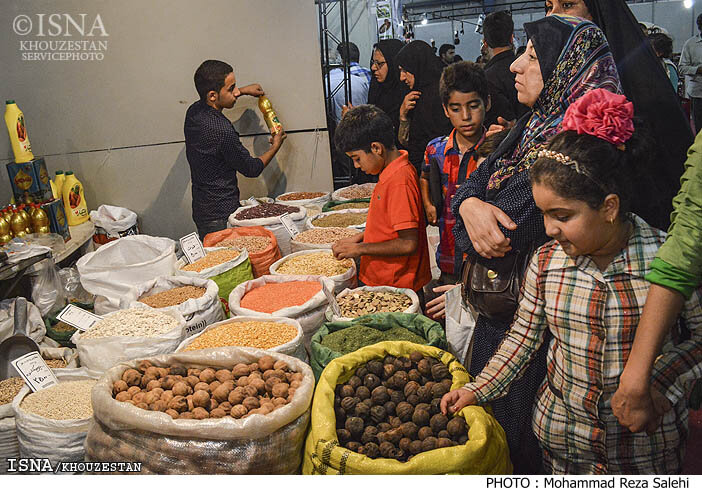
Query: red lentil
x=277, y=295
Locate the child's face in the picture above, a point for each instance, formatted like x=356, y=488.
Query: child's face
x=578, y=228
x=371, y=162
x=466, y=111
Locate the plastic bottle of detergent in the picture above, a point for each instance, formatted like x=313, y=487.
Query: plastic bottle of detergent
x=18, y=133
x=74, y=200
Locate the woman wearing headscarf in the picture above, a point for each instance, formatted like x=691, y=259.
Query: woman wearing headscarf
x=496, y=214
x=387, y=91
x=421, y=70
x=647, y=85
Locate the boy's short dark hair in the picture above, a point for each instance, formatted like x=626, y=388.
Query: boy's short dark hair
x=349, y=52
x=361, y=126
x=210, y=75
x=465, y=77
x=445, y=47
x=662, y=44
x=498, y=28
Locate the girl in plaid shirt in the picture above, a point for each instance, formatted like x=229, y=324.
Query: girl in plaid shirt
x=587, y=288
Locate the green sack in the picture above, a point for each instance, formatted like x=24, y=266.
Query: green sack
x=420, y=325
x=328, y=206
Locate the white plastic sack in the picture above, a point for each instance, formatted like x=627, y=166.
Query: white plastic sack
x=310, y=315
x=296, y=246
x=197, y=312
x=317, y=201
x=460, y=326
x=100, y=354
x=29, y=324
x=217, y=269
x=65, y=353
x=294, y=348
x=113, y=219
x=57, y=440
x=274, y=225
x=9, y=447
x=341, y=282
x=337, y=194
x=360, y=227
x=413, y=308
x=114, y=268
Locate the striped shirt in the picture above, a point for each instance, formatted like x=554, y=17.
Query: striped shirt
x=593, y=316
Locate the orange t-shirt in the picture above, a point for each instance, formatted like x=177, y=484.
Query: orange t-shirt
x=396, y=204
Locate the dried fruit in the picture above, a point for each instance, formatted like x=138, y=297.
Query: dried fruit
x=380, y=395
x=404, y=411
x=424, y=432
x=371, y=381
x=439, y=371
x=355, y=426
x=420, y=417
x=456, y=427
x=438, y=422
x=378, y=413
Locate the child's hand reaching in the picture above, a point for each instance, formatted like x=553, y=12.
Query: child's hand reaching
x=430, y=209
x=436, y=308
x=455, y=400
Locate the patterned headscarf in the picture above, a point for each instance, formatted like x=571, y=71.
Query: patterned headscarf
x=575, y=58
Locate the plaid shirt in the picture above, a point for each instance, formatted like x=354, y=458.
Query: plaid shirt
x=593, y=317
x=360, y=71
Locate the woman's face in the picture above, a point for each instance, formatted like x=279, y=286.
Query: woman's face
x=576, y=8
x=379, y=66
x=528, y=80
x=407, y=77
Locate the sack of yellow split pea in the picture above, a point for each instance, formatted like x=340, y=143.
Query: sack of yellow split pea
x=485, y=452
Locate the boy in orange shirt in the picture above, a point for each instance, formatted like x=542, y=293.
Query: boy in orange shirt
x=393, y=248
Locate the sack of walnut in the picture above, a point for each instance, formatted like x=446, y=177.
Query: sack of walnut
x=52, y=423
x=198, y=311
x=258, y=444
x=261, y=256
x=403, y=300
x=485, y=451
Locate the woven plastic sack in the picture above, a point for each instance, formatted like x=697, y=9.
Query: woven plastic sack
x=294, y=348
x=273, y=225
x=338, y=195
x=17, y=315
x=307, y=203
x=70, y=356
x=485, y=452
x=197, y=312
x=260, y=261
x=259, y=444
x=341, y=281
x=227, y=275
x=420, y=325
x=310, y=314
x=361, y=227
x=413, y=308
x=114, y=268
x=9, y=447
x=57, y=440
x=330, y=205
x=100, y=354
x=297, y=246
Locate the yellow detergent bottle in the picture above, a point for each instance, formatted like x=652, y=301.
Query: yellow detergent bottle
x=74, y=200
x=59, y=179
x=18, y=133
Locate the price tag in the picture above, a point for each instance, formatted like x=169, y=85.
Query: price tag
x=252, y=201
x=289, y=225
x=78, y=317
x=34, y=371
x=192, y=247
x=332, y=302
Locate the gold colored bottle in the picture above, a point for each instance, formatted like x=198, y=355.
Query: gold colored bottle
x=5, y=235
x=27, y=219
x=17, y=224
x=269, y=115
x=40, y=220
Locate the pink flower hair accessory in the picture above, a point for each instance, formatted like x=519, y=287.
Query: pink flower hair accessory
x=602, y=114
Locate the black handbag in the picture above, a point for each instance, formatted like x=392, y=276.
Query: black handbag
x=491, y=286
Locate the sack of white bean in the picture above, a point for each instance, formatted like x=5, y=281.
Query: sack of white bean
x=52, y=423
x=129, y=334
x=367, y=300
x=272, y=223
x=195, y=298
x=269, y=443
x=318, y=263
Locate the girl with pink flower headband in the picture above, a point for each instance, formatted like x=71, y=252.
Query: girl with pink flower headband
x=587, y=288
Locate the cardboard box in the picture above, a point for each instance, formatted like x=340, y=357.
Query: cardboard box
x=57, y=218
x=30, y=181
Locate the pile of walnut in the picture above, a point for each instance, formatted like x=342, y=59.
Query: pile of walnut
x=185, y=393
x=390, y=408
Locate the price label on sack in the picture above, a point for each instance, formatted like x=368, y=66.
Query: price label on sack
x=252, y=201
x=192, y=247
x=289, y=224
x=34, y=371
x=78, y=317
x=332, y=301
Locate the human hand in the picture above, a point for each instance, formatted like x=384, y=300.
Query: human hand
x=436, y=308
x=343, y=249
x=430, y=209
x=276, y=140
x=481, y=220
x=455, y=400
x=254, y=90
x=639, y=408
x=501, y=125
x=346, y=108
x=409, y=103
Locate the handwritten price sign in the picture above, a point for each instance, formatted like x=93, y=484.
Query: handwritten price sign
x=34, y=371
x=192, y=247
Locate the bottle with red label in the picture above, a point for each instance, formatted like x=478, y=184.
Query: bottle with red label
x=17, y=130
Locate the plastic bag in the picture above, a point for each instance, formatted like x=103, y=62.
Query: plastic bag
x=429, y=330
x=17, y=315
x=47, y=289
x=113, y=222
x=460, y=325
x=342, y=281
x=259, y=444
x=310, y=314
x=260, y=261
x=485, y=452
x=72, y=288
x=114, y=268
x=274, y=225
x=361, y=227
x=413, y=308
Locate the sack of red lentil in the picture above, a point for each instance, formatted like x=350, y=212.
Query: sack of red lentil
x=302, y=298
x=273, y=333
x=346, y=218
x=260, y=243
x=195, y=298
x=257, y=444
x=353, y=192
x=306, y=199
x=367, y=300
x=227, y=275
x=117, y=266
x=52, y=423
x=318, y=263
x=271, y=221
x=129, y=334
x=320, y=238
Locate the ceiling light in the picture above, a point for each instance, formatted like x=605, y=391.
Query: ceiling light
x=424, y=20
x=687, y=4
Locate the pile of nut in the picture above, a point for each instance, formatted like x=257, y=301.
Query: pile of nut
x=173, y=297
x=361, y=303
x=265, y=210
x=134, y=322
x=340, y=220
x=361, y=191
x=212, y=259
x=315, y=264
x=351, y=205
x=298, y=196
x=325, y=235
x=390, y=408
x=187, y=393
x=9, y=388
x=253, y=244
